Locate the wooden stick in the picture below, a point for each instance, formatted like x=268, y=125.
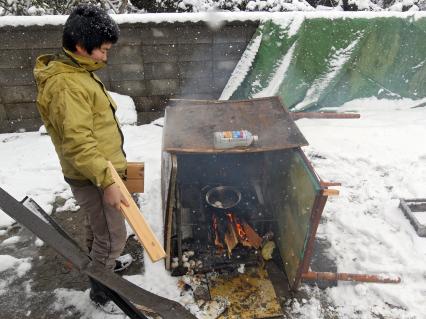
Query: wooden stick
x=231, y=239
x=330, y=192
x=323, y=115
x=329, y=276
x=138, y=223
x=327, y=184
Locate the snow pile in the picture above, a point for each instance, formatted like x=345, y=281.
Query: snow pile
x=34, y=173
x=21, y=266
x=70, y=205
x=126, y=112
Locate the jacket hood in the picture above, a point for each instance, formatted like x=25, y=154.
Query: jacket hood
x=49, y=65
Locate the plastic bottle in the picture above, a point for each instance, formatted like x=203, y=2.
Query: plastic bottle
x=230, y=139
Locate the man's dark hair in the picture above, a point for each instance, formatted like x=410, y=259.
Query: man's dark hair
x=90, y=27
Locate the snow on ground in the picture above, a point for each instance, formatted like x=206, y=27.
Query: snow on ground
x=16, y=267
x=378, y=159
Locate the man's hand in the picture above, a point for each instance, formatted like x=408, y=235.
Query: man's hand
x=113, y=197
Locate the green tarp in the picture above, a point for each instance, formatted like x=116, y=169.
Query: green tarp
x=314, y=62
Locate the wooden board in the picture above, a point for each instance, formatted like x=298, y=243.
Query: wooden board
x=138, y=223
x=135, y=177
x=134, y=185
x=135, y=170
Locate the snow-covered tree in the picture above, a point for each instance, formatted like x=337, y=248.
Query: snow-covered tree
x=41, y=7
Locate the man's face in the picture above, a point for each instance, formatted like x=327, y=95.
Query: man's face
x=98, y=54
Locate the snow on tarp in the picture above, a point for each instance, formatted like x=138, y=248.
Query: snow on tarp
x=324, y=61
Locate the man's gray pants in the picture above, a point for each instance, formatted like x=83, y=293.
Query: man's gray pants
x=105, y=228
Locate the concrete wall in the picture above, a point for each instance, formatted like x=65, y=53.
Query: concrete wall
x=151, y=63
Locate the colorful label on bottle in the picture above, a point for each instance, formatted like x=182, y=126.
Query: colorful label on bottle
x=233, y=134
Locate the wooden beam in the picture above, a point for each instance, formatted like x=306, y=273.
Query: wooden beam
x=136, y=220
x=329, y=276
x=330, y=192
x=135, y=170
x=323, y=115
x=135, y=177
x=328, y=184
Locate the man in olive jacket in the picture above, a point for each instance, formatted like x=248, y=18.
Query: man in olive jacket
x=79, y=116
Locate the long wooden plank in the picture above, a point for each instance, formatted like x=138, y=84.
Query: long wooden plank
x=328, y=184
x=323, y=115
x=330, y=276
x=138, y=223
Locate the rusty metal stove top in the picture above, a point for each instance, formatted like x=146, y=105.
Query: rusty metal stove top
x=190, y=124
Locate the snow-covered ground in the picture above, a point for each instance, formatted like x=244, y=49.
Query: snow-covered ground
x=378, y=159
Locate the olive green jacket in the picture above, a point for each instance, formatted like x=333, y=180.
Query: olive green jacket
x=79, y=116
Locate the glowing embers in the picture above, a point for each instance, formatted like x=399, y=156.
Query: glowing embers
x=229, y=231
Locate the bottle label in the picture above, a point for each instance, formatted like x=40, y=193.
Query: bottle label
x=233, y=134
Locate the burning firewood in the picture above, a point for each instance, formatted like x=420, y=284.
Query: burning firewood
x=217, y=241
x=252, y=237
x=231, y=238
x=242, y=236
x=235, y=231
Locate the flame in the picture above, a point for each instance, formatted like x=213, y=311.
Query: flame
x=237, y=224
x=230, y=217
x=240, y=230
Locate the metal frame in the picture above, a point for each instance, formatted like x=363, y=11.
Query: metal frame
x=405, y=207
